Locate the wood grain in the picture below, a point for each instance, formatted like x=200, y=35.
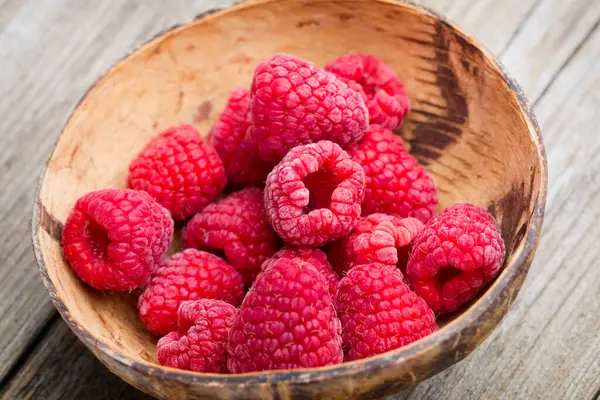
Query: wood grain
x=46, y=375
x=502, y=20
x=551, y=35
x=60, y=66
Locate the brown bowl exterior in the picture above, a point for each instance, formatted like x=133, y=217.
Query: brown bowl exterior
x=470, y=125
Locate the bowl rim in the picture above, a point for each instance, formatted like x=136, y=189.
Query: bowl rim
x=517, y=266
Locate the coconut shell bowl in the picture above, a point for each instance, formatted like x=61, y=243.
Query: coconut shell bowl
x=470, y=125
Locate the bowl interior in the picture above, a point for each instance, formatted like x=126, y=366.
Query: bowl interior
x=466, y=125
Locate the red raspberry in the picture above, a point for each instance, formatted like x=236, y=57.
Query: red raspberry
x=314, y=257
x=237, y=226
x=378, y=238
x=114, y=238
x=228, y=136
x=188, y=275
x=456, y=254
x=286, y=321
x=395, y=181
x=314, y=194
x=179, y=170
x=379, y=313
x=294, y=102
x=384, y=94
x=200, y=342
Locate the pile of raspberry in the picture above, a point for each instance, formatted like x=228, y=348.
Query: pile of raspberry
x=309, y=231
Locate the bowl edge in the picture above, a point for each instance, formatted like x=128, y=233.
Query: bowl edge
x=443, y=338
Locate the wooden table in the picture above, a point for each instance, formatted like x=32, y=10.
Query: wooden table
x=548, y=347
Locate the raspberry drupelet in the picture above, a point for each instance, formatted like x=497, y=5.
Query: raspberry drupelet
x=236, y=228
x=189, y=275
x=228, y=136
x=179, y=170
x=378, y=238
x=379, y=313
x=384, y=93
x=114, y=238
x=200, y=341
x=314, y=195
x=315, y=257
x=294, y=102
x=456, y=254
x=396, y=183
x=286, y=321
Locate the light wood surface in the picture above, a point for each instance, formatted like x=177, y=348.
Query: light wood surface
x=547, y=347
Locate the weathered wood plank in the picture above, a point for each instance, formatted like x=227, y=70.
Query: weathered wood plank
x=441, y=6
x=8, y=9
x=549, y=38
x=61, y=367
x=493, y=23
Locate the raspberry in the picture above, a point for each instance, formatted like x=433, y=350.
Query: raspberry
x=228, y=136
x=114, y=238
x=286, y=321
x=188, y=275
x=179, y=170
x=314, y=257
x=384, y=94
x=395, y=181
x=314, y=194
x=238, y=227
x=456, y=254
x=200, y=343
x=294, y=102
x=378, y=238
x=379, y=313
